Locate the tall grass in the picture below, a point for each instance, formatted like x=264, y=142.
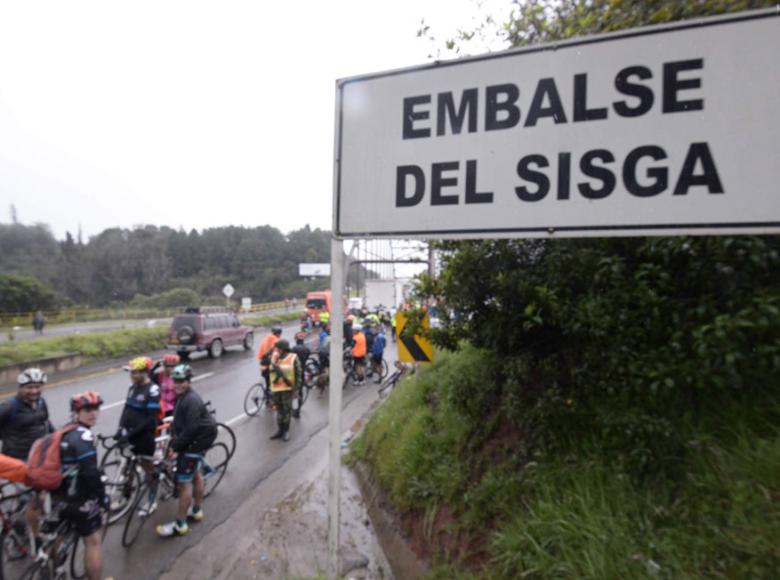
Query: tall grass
x=578, y=514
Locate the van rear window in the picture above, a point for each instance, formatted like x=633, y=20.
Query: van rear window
x=181, y=321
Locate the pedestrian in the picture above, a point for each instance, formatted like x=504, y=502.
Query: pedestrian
x=378, y=353
x=162, y=376
x=38, y=322
x=286, y=375
x=302, y=352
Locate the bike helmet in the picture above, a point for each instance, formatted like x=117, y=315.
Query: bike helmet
x=85, y=400
x=277, y=330
x=299, y=338
x=171, y=360
x=31, y=376
x=283, y=345
x=140, y=363
x=182, y=373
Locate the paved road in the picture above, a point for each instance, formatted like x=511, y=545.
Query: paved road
x=27, y=333
x=224, y=382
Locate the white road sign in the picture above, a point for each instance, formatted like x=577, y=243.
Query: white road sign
x=653, y=131
x=228, y=290
x=314, y=269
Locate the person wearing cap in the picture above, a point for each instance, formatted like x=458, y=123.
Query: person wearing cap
x=23, y=419
x=359, y=351
x=286, y=376
x=82, y=487
x=194, y=430
x=138, y=423
x=266, y=350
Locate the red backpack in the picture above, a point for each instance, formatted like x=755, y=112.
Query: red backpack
x=44, y=463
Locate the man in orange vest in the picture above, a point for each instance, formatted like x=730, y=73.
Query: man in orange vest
x=266, y=350
x=285, y=373
x=359, y=351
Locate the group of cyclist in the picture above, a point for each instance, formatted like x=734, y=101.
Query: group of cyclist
x=155, y=391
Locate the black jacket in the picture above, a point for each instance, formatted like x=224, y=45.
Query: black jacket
x=77, y=449
x=303, y=353
x=21, y=425
x=194, y=427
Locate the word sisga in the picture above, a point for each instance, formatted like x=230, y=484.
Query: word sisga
x=501, y=111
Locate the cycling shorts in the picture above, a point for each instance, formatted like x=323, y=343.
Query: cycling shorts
x=376, y=359
x=84, y=516
x=143, y=444
x=360, y=360
x=187, y=464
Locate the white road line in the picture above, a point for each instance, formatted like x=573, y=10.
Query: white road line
x=112, y=405
x=235, y=419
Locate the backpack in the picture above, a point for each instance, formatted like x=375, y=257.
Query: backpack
x=44, y=464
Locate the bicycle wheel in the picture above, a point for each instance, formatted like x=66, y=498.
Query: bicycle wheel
x=215, y=465
x=136, y=518
x=385, y=370
x=255, y=401
x=41, y=570
x=227, y=436
x=123, y=482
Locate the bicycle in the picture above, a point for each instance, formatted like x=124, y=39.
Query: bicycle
x=257, y=398
x=15, y=543
x=161, y=485
x=122, y=475
x=60, y=542
x=391, y=381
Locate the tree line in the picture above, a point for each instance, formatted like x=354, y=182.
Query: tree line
x=119, y=265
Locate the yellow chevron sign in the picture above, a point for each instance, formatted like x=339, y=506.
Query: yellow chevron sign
x=415, y=348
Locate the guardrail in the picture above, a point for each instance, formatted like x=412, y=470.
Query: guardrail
x=25, y=319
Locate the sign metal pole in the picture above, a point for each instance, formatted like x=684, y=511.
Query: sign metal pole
x=336, y=379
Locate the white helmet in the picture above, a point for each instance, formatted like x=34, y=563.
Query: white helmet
x=31, y=375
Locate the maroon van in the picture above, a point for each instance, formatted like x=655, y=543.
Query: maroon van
x=207, y=328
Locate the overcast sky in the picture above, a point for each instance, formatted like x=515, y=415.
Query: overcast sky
x=191, y=114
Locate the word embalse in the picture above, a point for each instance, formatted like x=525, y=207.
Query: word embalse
x=501, y=111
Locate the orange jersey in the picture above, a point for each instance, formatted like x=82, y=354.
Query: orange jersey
x=359, y=350
x=267, y=346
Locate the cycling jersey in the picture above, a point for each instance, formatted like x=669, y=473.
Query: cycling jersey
x=139, y=417
x=359, y=350
x=82, y=488
x=21, y=425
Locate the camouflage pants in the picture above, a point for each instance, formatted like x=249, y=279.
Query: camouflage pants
x=283, y=401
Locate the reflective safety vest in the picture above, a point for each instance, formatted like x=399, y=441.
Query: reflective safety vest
x=266, y=348
x=287, y=367
x=324, y=317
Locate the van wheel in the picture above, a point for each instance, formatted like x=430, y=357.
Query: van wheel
x=249, y=340
x=215, y=350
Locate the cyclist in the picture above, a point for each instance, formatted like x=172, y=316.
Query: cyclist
x=378, y=352
x=162, y=376
x=82, y=488
x=194, y=431
x=302, y=352
x=23, y=419
x=266, y=350
x=286, y=377
x=359, y=351
x=138, y=423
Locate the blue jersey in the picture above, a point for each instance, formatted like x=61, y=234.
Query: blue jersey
x=378, y=348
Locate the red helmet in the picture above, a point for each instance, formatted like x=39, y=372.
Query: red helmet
x=300, y=336
x=84, y=400
x=171, y=360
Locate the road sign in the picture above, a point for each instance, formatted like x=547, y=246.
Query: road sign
x=246, y=303
x=653, y=131
x=314, y=269
x=228, y=290
x=413, y=348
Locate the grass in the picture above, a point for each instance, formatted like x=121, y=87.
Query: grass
x=270, y=319
x=576, y=515
x=92, y=346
